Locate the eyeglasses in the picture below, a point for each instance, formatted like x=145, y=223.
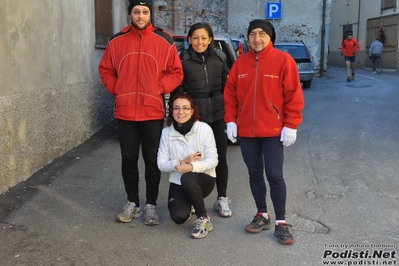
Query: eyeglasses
x=184, y=108
x=138, y=12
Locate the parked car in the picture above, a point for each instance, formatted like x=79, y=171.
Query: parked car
x=303, y=59
x=241, y=45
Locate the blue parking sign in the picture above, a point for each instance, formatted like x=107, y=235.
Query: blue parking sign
x=274, y=10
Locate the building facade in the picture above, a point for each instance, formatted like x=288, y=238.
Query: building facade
x=366, y=19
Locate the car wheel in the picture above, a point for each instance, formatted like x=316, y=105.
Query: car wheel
x=307, y=84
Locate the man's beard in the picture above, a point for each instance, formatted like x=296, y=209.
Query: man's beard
x=138, y=27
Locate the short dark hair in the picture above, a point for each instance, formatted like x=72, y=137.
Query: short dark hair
x=205, y=26
x=182, y=95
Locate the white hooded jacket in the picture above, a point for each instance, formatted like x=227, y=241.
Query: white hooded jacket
x=174, y=146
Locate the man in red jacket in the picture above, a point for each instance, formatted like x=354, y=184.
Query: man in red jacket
x=263, y=103
x=349, y=49
x=139, y=66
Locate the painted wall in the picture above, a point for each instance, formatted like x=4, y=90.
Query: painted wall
x=51, y=98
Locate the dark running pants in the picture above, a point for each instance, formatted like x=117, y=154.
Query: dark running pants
x=376, y=60
x=131, y=135
x=222, y=171
x=265, y=154
x=192, y=191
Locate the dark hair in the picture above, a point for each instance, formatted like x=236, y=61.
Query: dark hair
x=193, y=106
x=205, y=26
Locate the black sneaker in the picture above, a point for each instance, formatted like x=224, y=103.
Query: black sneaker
x=353, y=76
x=283, y=234
x=348, y=79
x=258, y=224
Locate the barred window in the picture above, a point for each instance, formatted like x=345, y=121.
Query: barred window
x=385, y=4
x=103, y=22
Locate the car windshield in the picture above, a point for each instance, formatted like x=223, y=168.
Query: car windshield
x=296, y=51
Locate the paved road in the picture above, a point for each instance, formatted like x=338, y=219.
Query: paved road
x=342, y=178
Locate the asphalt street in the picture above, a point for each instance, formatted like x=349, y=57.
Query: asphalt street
x=341, y=175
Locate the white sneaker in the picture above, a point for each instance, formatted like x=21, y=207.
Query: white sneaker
x=203, y=227
x=130, y=211
x=151, y=217
x=374, y=72
x=222, y=207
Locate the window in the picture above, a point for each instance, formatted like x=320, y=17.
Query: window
x=103, y=22
x=385, y=4
x=345, y=29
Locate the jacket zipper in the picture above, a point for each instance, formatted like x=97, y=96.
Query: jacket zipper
x=256, y=74
x=275, y=109
x=207, y=85
x=138, y=71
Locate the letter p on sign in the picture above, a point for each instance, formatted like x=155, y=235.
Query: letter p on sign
x=273, y=10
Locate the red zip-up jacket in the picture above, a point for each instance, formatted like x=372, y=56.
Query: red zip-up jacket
x=350, y=47
x=263, y=93
x=139, y=67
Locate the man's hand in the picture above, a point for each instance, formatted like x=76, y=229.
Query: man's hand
x=232, y=131
x=288, y=136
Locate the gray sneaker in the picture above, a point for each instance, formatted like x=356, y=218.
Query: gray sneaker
x=130, y=211
x=222, y=207
x=203, y=227
x=151, y=217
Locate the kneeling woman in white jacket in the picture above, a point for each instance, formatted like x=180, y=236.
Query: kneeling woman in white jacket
x=188, y=151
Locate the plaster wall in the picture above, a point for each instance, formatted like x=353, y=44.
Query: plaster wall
x=51, y=99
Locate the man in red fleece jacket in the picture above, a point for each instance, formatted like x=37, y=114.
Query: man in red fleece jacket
x=139, y=66
x=263, y=103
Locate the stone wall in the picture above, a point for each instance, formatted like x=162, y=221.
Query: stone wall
x=178, y=16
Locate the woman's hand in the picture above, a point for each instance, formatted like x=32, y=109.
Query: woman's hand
x=184, y=167
x=185, y=164
x=192, y=158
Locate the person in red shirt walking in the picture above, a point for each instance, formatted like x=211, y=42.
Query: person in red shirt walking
x=139, y=66
x=263, y=107
x=349, y=48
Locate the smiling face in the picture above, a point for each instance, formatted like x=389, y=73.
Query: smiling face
x=141, y=17
x=200, y=40
x=182, y=110
x=258, y=39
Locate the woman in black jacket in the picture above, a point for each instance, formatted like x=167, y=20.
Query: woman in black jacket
x=205, y=75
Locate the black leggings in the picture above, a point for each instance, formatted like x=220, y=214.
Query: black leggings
x=222, y=171
x=265, y=155
x=192, y=191
x=131, y=135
